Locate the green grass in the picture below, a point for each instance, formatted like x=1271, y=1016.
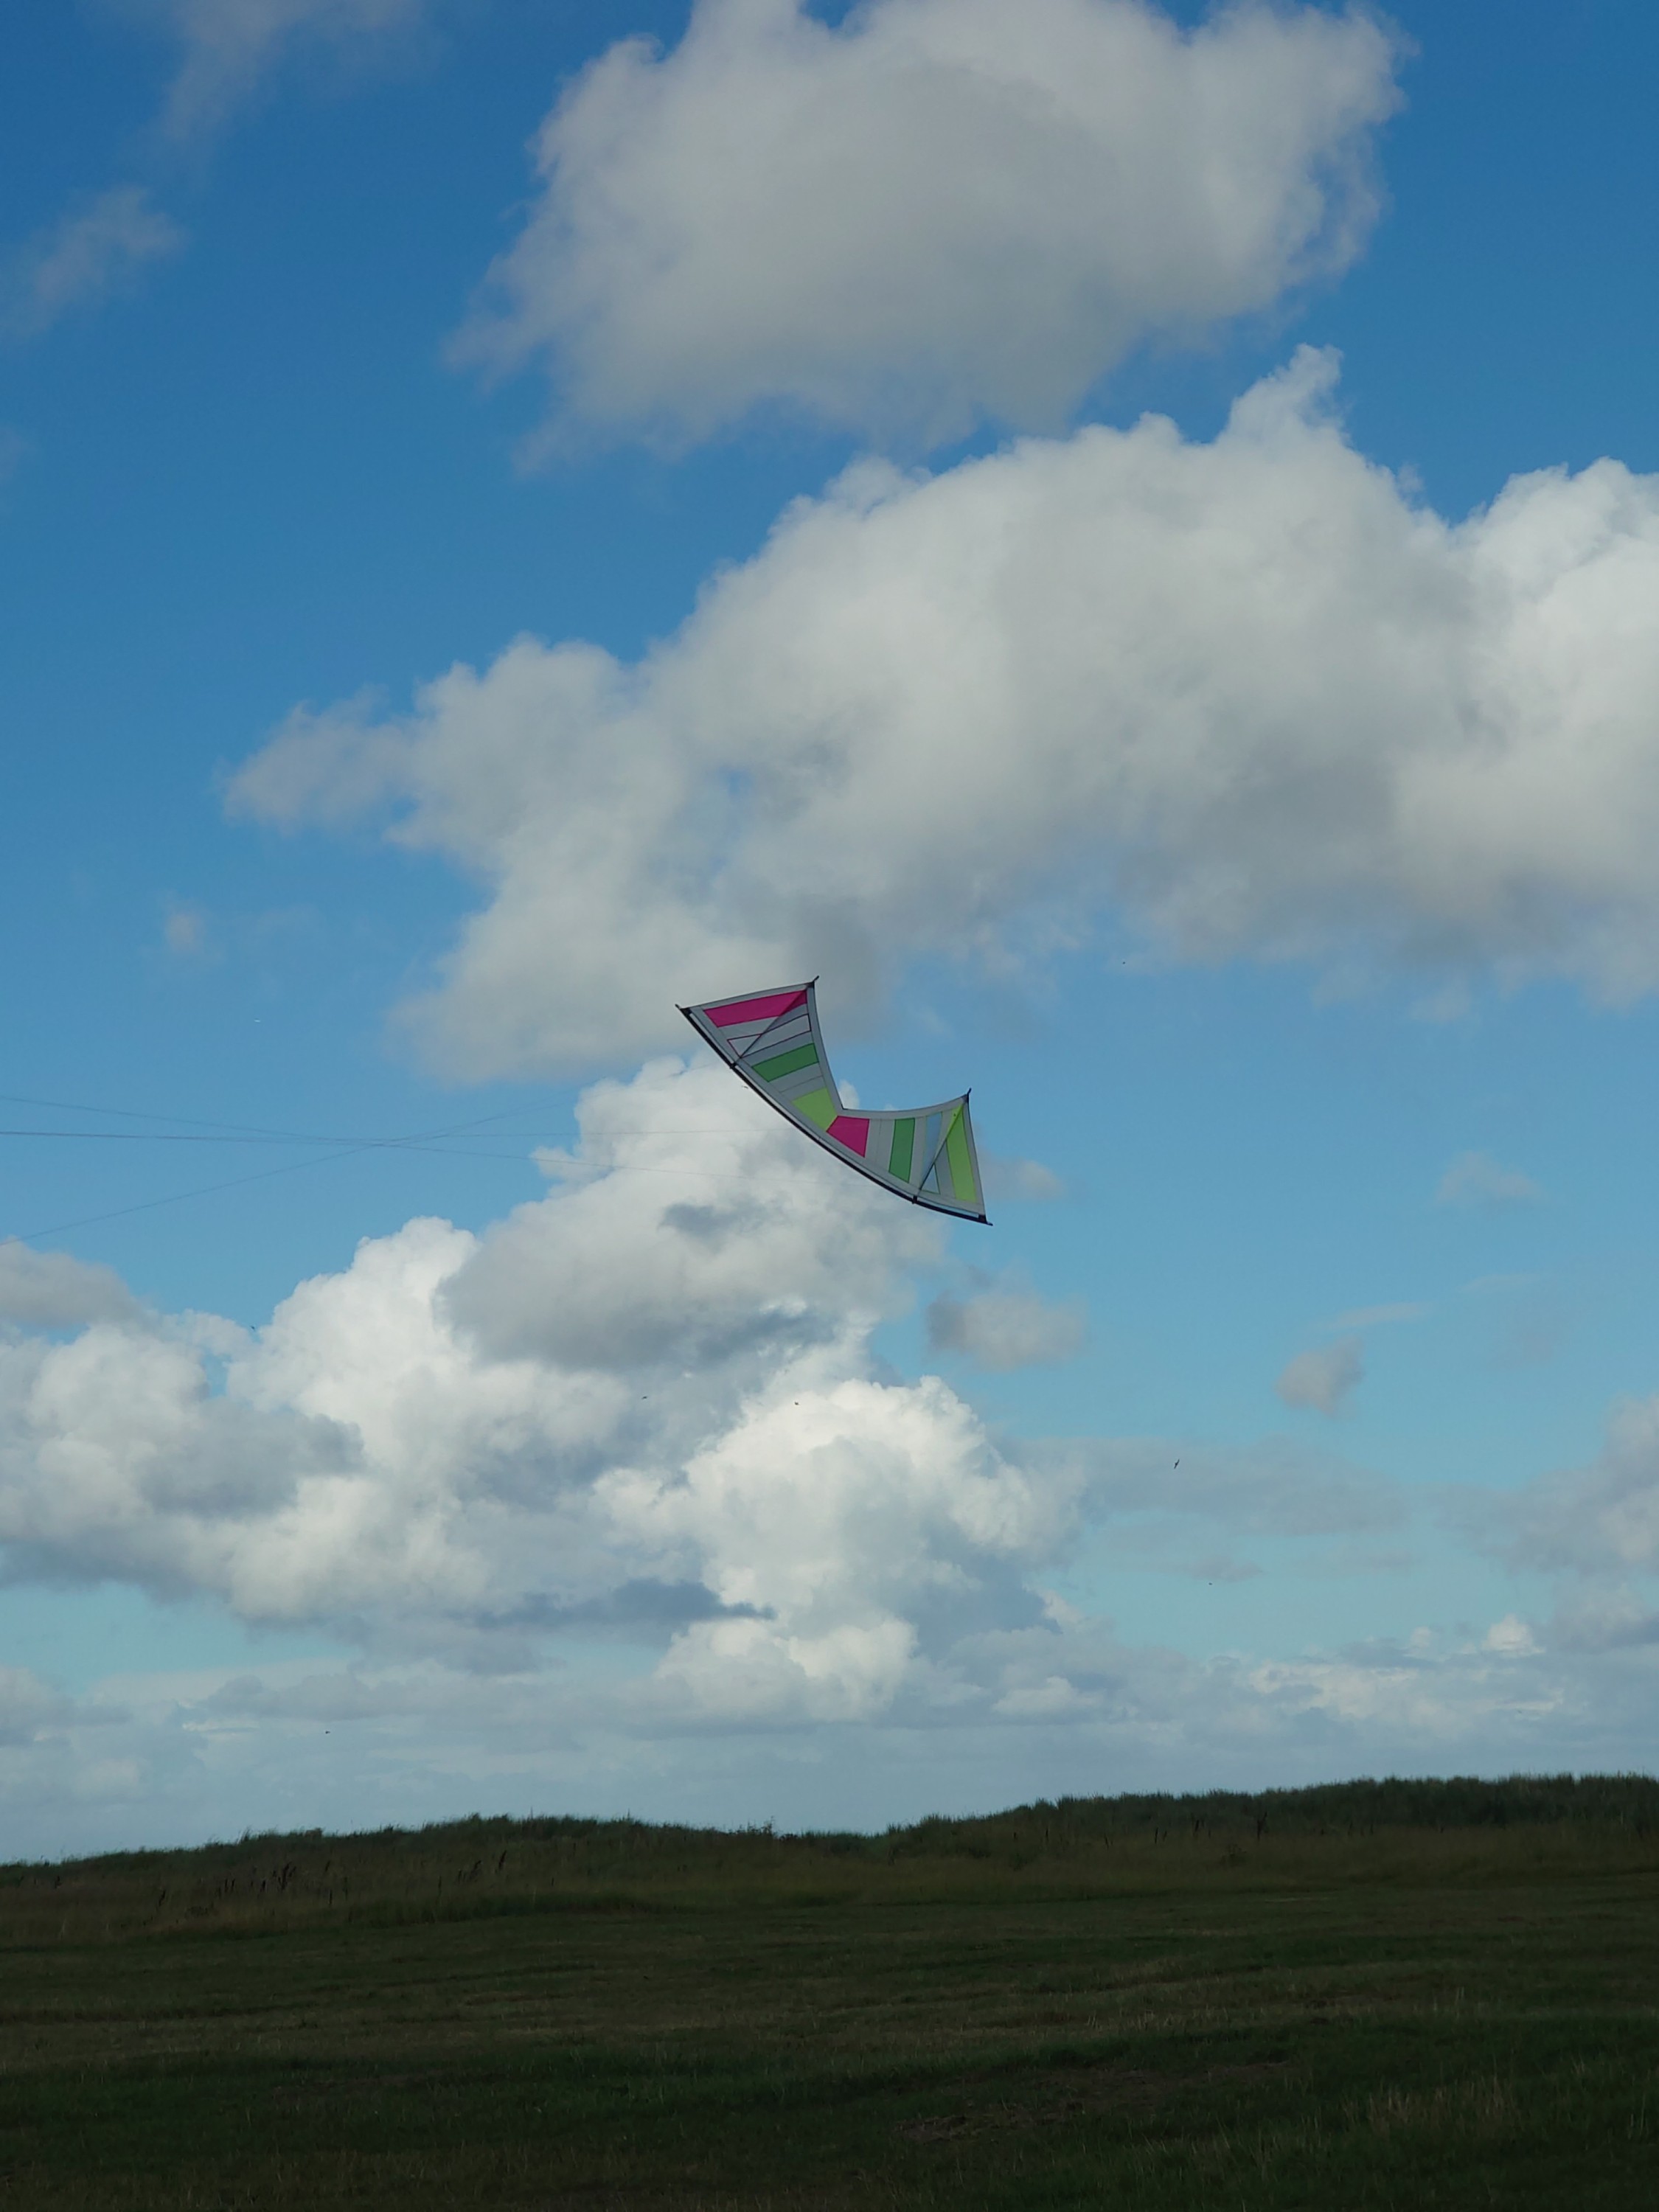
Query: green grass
x=1389, y=1996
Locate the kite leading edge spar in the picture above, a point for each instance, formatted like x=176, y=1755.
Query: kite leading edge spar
x=772, y=1040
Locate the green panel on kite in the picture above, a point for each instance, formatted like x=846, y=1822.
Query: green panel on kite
x=818, y=1106
x=904, y=1145
x=962, y=1170
x=804, y=1055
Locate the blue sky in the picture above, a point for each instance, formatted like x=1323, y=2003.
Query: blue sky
x=1255, y=809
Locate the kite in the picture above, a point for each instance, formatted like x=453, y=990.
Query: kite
x=772, y=1040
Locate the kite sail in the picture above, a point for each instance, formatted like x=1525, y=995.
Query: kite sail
x=772, y=1039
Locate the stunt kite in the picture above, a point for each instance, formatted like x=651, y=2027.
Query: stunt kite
x=771, y=1038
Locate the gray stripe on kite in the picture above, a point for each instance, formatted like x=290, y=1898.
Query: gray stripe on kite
x=766, y=1043
x=803, y=1082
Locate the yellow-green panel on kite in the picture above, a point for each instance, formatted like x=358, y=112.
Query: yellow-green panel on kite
x=962, y=1166
x=817, y=1106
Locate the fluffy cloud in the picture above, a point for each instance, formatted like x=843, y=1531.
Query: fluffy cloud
x=1002, y=1329
x=841, y=1515
x=647, y=1399
x=644, y=1412
x=936, y=210
x=1476, y=1179
x=1325, y=1377
x=1247, y=695
x=95, y=249
x=50, y=1290
x=644, y=1408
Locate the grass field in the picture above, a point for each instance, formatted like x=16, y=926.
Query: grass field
x=1379, y=1995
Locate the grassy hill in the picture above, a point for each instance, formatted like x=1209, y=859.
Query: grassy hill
x=1373, y=1994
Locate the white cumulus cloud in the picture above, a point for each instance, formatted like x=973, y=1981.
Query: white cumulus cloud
x=645, y=1408
x=475, y=1460
x=934, y=210
x=51, y=1290
x=647, y=1397
x=1247, y=695
x=836, y=1517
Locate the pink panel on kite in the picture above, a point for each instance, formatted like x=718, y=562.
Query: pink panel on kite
x=855, y=1134
x=755, y=1009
